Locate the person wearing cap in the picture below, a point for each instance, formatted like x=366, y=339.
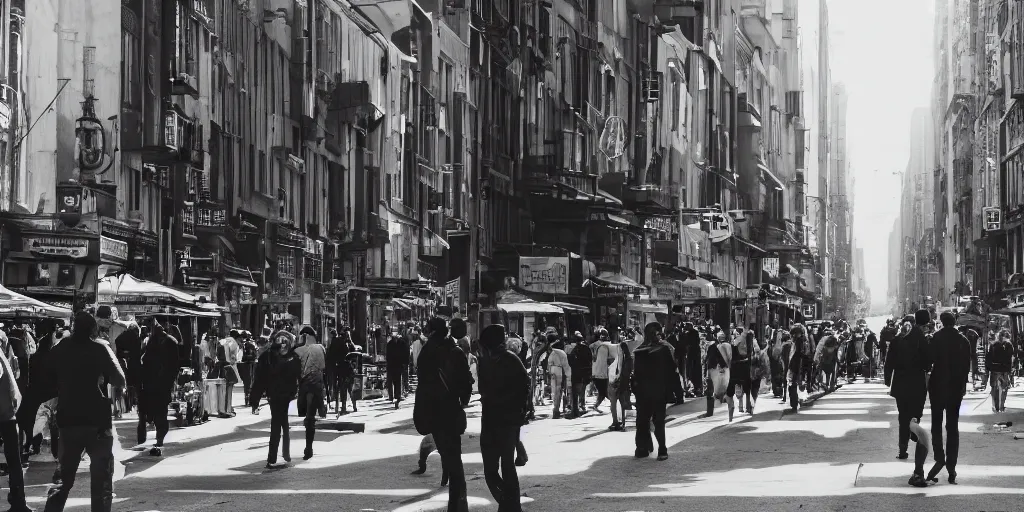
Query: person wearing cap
x=443, y=391
x=504, y=395
x=906, y=372
x=81, y=367
x=653, y=370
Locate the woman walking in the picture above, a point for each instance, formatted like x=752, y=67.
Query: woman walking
x=618, y=386
x=277, y=376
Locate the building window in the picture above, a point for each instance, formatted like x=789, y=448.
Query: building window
x=286, y=265
x=130, y=76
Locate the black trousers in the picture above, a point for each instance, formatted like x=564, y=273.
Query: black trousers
x=498, y=449
x=949, y=455
x=157, y=413
x=449, y=446
x=908, y=409
x=394, y=384
x=796, y=366
x=279, y=430
x=12, y=452
x=648, y=412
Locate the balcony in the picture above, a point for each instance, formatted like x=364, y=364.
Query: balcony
x=668, y=11
x=647, y=196
x=211, y=219
x=541, y=175
x=393, y=17
x=185, y=78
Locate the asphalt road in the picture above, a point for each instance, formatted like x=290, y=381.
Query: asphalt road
x=836, y=454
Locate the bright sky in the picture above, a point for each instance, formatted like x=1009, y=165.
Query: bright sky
x=886, y=63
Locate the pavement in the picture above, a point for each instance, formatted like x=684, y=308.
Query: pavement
x=837, y=453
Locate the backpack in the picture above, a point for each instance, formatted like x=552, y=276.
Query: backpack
x=249, y=351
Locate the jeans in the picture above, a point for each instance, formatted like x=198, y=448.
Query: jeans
x=796, y=369
x=952, y=449
x=1000, y=385
x=310, y=420
x=579, y=397
x=449, y=446
x=647, y=412
x=12, y=452
x=98, y=443
x=498, y=449
x=278, y=430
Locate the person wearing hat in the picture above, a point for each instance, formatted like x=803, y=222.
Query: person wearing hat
x=78, y=365
x=444, y=388
x=504, y=395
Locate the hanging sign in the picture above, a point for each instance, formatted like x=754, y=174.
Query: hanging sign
x=451, y=291
x=544, y=274
x=770, y=266
x=76, y=248
x=112, y=250
x=993, y=218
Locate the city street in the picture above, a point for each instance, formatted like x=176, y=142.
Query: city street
x=837, y=453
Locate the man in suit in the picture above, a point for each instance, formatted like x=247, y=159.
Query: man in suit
x=906, y=372
x=951, y=366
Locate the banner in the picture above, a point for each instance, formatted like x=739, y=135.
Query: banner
x=544, y=275
x=451, y=292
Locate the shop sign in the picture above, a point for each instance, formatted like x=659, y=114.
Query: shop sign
x=451, y=291
x=113, y=250
x=993, y=218
x=810, y=311
x=76, y=248
x=770, y=266
x=544, y=275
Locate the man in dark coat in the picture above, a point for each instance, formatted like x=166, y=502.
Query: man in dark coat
x=906, y=373
x=443, y=390
x=159, y=371
x=690, y=341
x=653, y=371
x=886, y=337
x=504, y=395
x=579, y=361
x=397, y=358
x=951, y=366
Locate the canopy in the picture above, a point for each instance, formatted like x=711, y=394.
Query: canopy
x=402, y=303
x=647, y=307
x=530, y=307
x=128, y=289
x=14, y=304
x=567, y=307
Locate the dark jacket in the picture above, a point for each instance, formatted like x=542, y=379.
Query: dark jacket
x=690, y=340
x=277, y=377
x=653, y=371
x=999, y=357
x=905, y=366
x=397, y=355
x=160, y=366
x=579, y=361
x=129, y=350
x=504, y=390
x=82, y=368
x=951, y=365
x=443, y=388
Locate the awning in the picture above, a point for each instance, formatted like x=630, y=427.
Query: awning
x=530, y=307
x=402, y=303
x=241, y=281
x=615, y=219
x=196, y=312
x=647, y=307
x=608, y=197
x=750, y=244
x=711, y=50
x=16, y=304
x=769, y=175
x=567, y=307
x=615, y=279
x=125, y=289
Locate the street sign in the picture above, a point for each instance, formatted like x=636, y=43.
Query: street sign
x=993, y=218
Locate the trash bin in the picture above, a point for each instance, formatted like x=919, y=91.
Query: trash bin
x=214, y=394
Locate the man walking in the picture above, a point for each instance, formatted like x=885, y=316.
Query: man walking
x=653, y=371
x=951, y=365
x=906, y=372
x=999, y=364
x=10, y=400
x=504, y=395
x=312, y=400
x=82, y=368
x=443, y=390
x=160, y=367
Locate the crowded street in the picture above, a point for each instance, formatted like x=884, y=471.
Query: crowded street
x=837, y=452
